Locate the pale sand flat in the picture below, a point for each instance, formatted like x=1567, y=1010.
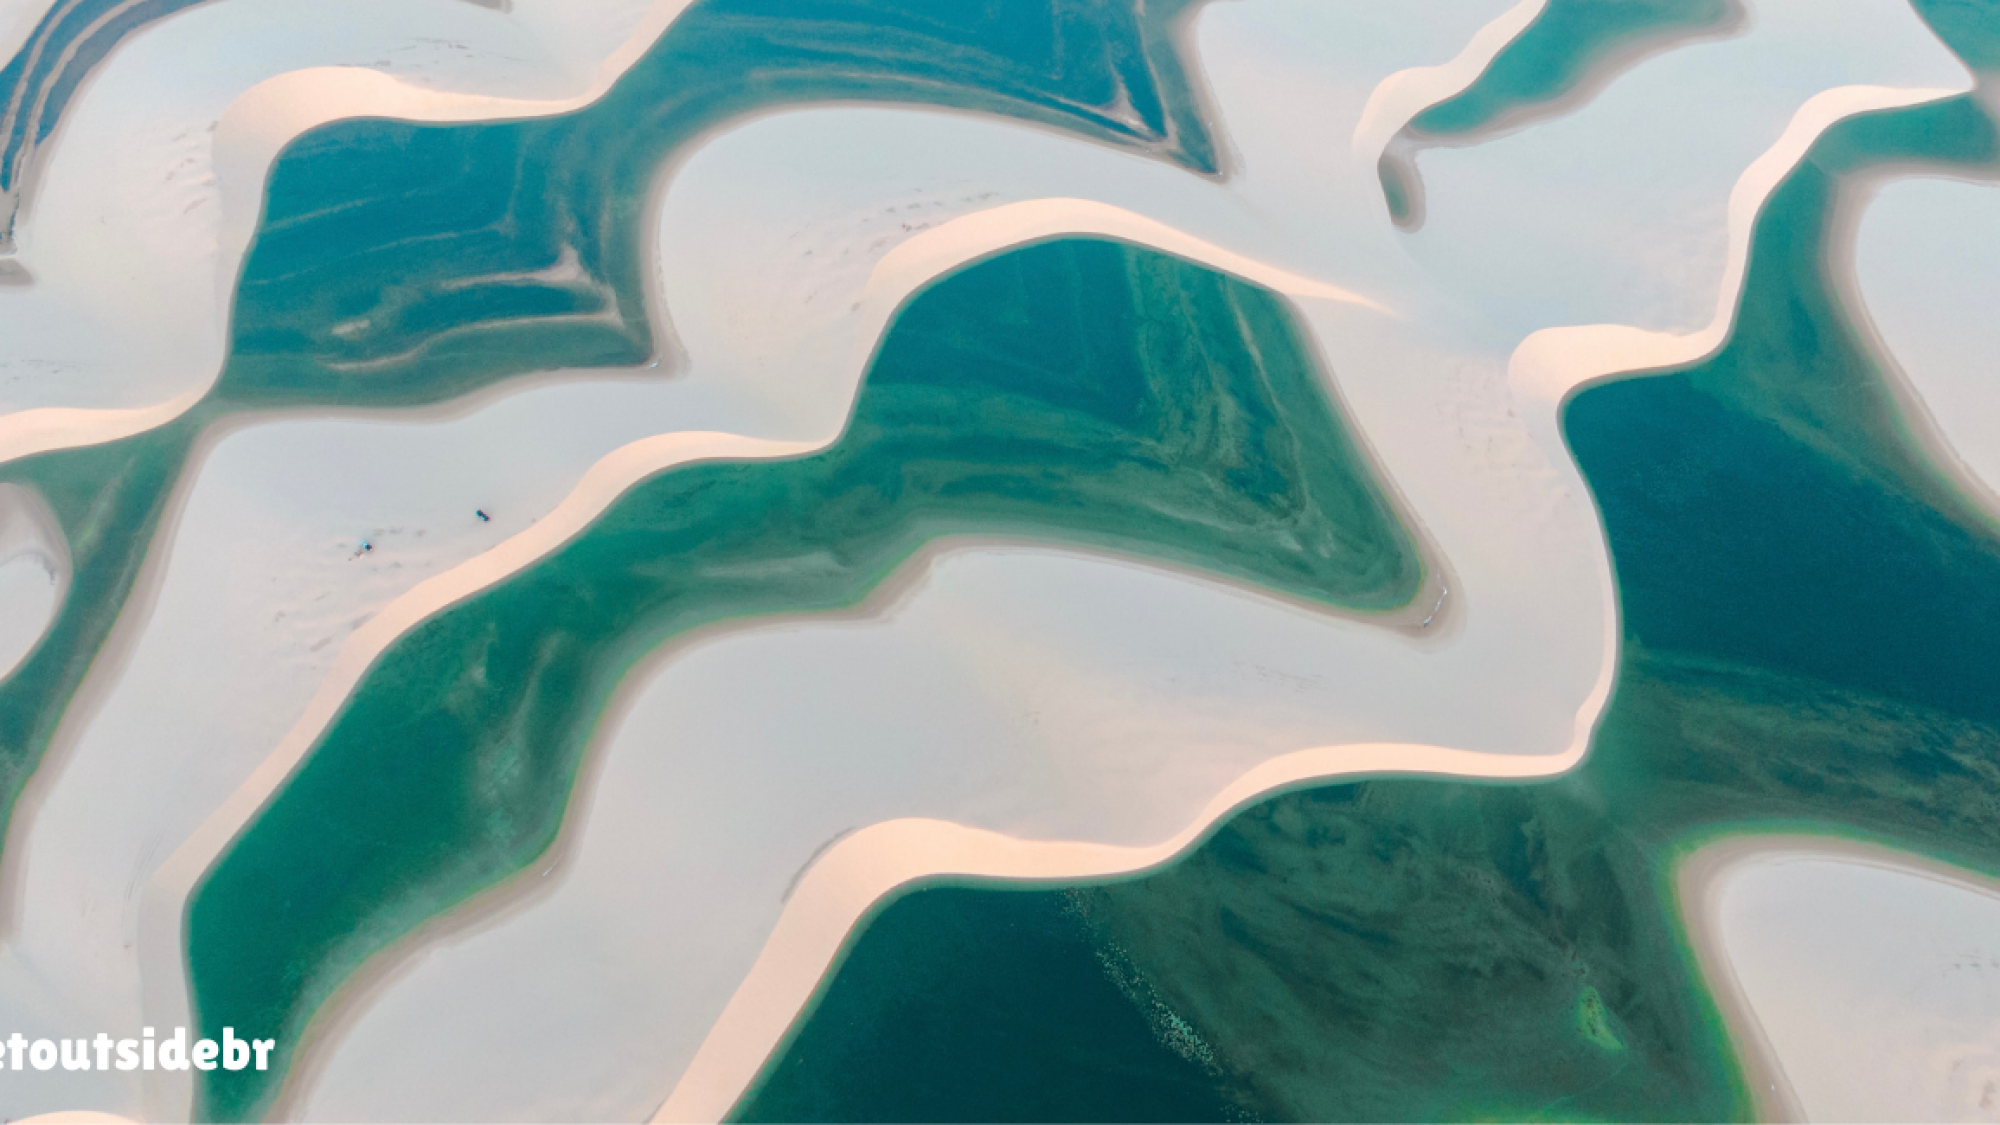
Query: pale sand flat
x=1857, y=980
x=17, y=20
x=1922, y=277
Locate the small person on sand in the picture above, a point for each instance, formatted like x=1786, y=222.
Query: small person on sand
x=483, y=517
x=365, y=547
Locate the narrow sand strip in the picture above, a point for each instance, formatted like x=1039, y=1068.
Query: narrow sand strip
x=35, y=573
x=1554, y=362
x=29, y=432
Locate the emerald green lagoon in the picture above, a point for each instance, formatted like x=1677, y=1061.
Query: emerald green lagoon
x=394, y=263
x=69, y=41
x=1569, y=49
x=1811, y=616
x=109, y=500
x=1563, y=56
x=1078, y=391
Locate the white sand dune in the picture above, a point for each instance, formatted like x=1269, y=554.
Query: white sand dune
x=1523, y=537
x=1403, y=95
x=1924, y=276
x=775, y=346
x=151, y=187
x=1864, y=977
x=136, y=242
x=1660, y=262
x=287, y=499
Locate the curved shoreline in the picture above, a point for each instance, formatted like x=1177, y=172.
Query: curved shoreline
x=254, y=126
x=1403, y=95
x=1918, y=419
x=1555, y=363
x=1698, y=879
x=167, y=891
x=846, y=882
x=1327, y=760
x=1403, y=180
x=859, y=873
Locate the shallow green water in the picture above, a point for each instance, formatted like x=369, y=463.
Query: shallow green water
x=1812, y=642
x=389, y=264
x=1404, y=950
x=1571, y=45
x=37, y=83
x=1080, y=391
x=1565, y=52
x=109, y=500
x=385, y=268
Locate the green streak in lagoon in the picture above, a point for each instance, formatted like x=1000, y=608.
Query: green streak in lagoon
x=1560, y=59
x=1572, y=47
x=397, y=263
x=1812, y=643
x=1077, y=391
x=68, y=42
x=392, y=263
x=108, y=499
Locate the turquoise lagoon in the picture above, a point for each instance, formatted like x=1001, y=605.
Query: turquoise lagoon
x=1811, y=615
x=1076, y=391
x=387, y=267
x=36, y=85
x=1570, y=49
x=1807, y=605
